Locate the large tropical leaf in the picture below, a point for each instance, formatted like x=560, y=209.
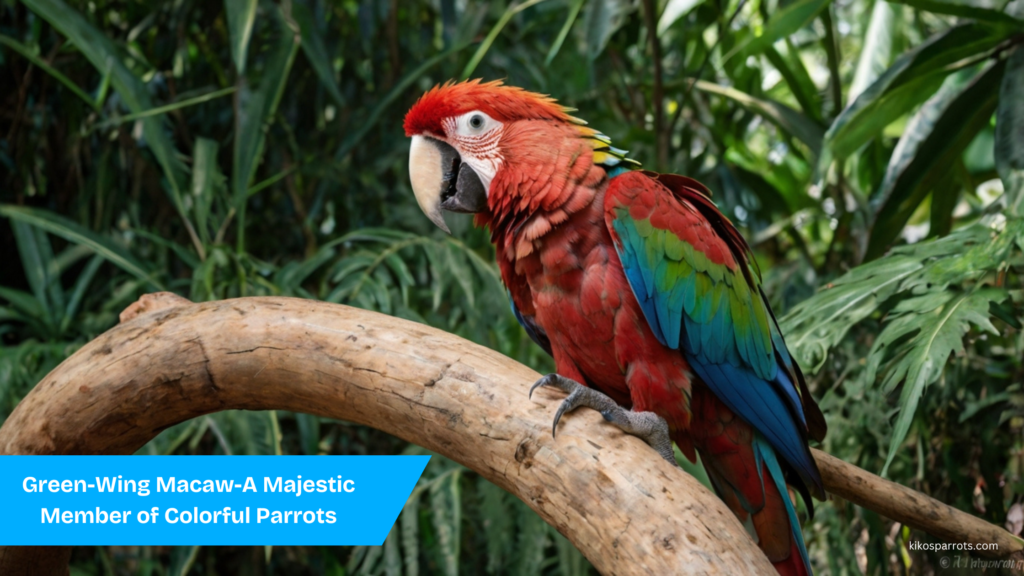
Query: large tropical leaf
x=817, y=325
x=926, y=330
x=315, y=49
x=912, y=79
x=876, y=48
x=931, y=144
x=601, y=19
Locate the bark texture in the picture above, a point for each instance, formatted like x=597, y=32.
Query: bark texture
x=626, y=509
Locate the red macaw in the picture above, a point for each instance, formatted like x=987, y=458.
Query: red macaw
x=643, y=292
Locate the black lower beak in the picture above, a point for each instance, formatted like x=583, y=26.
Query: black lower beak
x=462, y=190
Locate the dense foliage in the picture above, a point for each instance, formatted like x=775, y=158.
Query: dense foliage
x=872, y=152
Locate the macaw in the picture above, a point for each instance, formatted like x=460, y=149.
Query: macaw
x=644, y=293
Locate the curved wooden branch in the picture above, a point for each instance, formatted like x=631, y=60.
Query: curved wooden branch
x=627, y=511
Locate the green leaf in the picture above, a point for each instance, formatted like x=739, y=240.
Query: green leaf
x=309, y=433
x=256, y=109
x=787, y=61
x=943, y=201
x=462, y=271
x=481, y=51
x=35, y=59
x=245, y=432
x=205, y=179
x=36, y=258
x=182, y=560
x=876, y=48
x=316, y=51
x=533, y=538
x=990, y=10
x=799, y=126
x=445, y=503
x=104, y=56
x=498, y=525
x=410, y=537
x=24, y=303
x=912, y=78
x=574, y=11
x=1009, y=147
x=674, y=10
x=936, y=324
x=931, y=145
x=371, y=120
x=782, y=23
x=972, y=408
x=241, y=17
x=78, y=292
x=818, y=324
x=181, y=250
x=169, y=107
x=392, y=555
x=75, y=233
x=601, y=20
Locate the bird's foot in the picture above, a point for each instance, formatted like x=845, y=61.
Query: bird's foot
x=647, y=426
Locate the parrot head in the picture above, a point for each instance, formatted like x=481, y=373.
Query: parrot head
x=464, y=134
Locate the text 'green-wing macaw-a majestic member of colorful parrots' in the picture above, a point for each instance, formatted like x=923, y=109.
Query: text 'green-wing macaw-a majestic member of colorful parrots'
x=644, y=293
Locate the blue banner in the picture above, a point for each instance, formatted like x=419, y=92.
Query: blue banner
x=203, y=500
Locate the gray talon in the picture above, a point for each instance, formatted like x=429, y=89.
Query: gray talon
x=543, y=381
x=647, y=426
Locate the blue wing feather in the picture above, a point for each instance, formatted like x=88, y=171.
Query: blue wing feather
x=738, y=364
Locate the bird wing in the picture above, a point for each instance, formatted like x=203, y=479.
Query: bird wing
x=691, y=272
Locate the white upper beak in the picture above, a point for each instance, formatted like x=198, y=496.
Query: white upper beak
x=425, y=168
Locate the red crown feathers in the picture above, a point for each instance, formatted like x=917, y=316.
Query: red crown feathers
x=503, y=103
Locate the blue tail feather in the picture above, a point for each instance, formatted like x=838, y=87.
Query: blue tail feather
x=764, y=453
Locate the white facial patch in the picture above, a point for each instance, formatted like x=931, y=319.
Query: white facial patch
x=476, y=135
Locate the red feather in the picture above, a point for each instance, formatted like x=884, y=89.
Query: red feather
x=503, y=103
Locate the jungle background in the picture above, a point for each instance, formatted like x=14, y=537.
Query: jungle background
x=872, y=153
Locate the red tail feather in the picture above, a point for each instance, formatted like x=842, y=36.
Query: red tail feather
x=725, y=444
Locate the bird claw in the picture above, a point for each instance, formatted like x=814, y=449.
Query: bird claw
x=647, y=426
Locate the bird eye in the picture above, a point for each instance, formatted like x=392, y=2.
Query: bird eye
x=476, y=121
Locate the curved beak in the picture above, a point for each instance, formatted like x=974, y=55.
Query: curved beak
x=441, y=181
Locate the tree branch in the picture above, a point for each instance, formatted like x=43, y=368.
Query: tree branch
x=624, y=508
x=627, y=510
x=912, y=508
